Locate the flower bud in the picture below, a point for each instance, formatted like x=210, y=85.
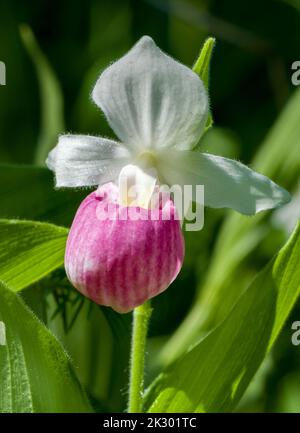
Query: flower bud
x=121, y=256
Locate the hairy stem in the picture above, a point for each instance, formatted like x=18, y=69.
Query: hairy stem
x=141, y=316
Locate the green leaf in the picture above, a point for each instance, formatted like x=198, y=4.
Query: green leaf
x=36, y=374
x=102, y=356
x=201, y=68
x=29, y=251
x=28, y=192
x=214, y=374
x=52, y=118
x=202, y=65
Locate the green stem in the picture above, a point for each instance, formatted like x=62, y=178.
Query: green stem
x=141, y=316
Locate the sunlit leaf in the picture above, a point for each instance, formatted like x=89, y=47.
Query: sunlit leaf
x=214, y=374
x=29, y=251
x=202, y=67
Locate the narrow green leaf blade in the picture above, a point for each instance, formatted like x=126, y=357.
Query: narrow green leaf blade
x=29, y=251
x=202, y=67
x=36, y=374
x=214, y=374
x=52, y=118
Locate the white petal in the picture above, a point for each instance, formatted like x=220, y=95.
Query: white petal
x=83, y=160
x=227, y=183
x=136, y=186
x=150, y=100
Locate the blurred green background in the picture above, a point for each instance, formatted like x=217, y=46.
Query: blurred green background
x=250, y=77
x=49, y=81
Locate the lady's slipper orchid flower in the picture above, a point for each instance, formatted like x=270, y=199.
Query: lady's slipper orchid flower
x=120, y=261
x=158, y=109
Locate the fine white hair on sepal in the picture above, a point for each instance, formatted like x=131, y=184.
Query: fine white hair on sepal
x=84, y=160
